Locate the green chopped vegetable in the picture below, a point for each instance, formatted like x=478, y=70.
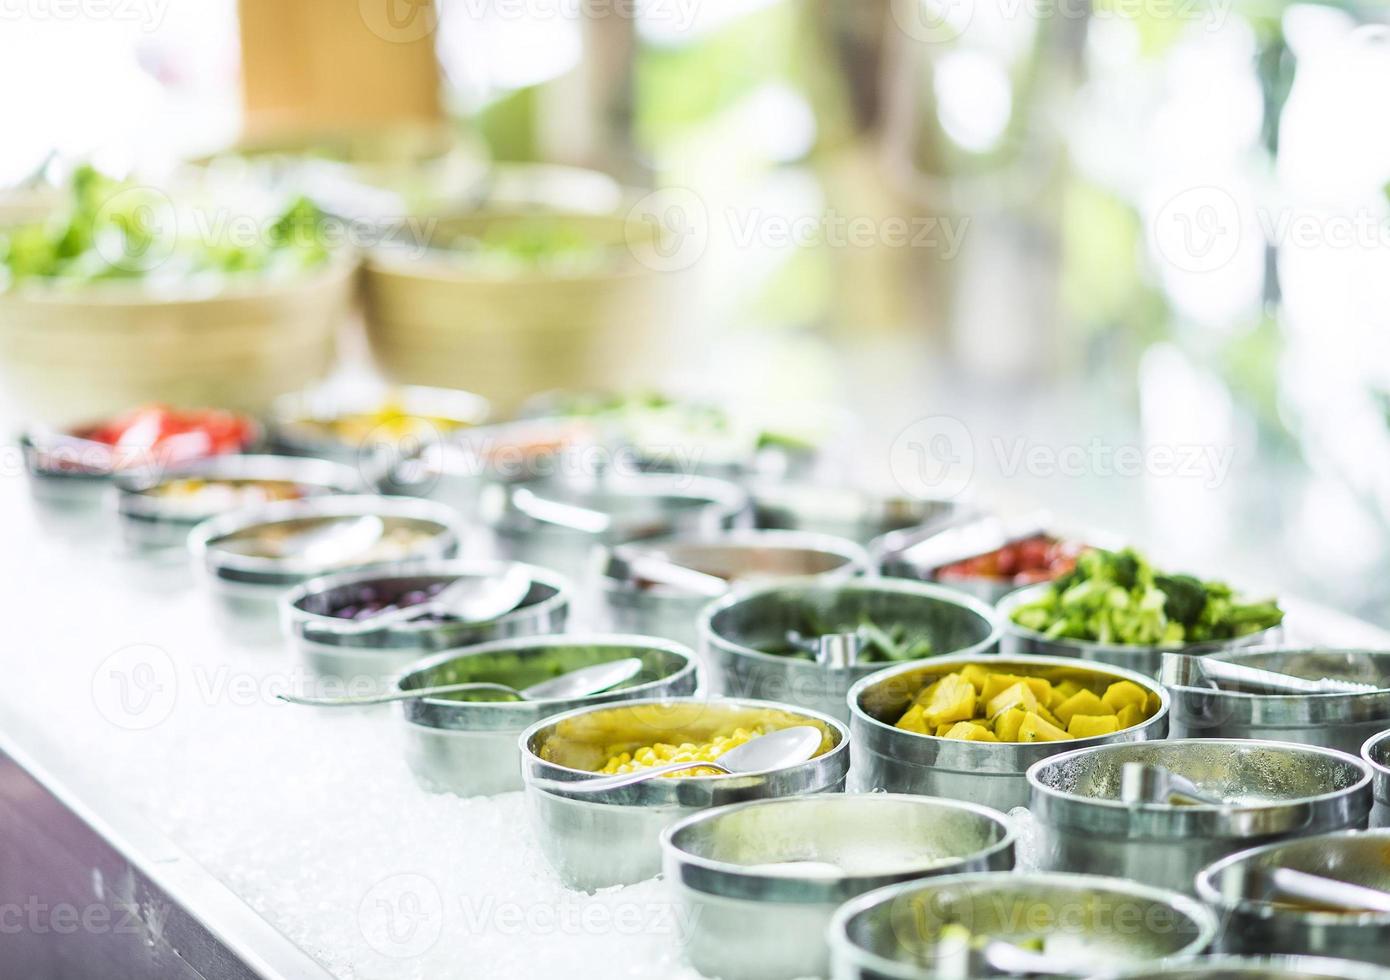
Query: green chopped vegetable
x=878, y=644
x=1117, y=597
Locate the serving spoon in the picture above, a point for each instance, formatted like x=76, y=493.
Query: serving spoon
x=1184, y=670
x=784, y=747
x=334, y=540
x=1322, y=890
x=574, y=684
x=469, y=599
x=1144, y=782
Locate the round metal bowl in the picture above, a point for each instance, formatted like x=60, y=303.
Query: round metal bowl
x=657, y=609
x=1277, y=790
x=1146, y=660
x=341, y=649
x=635, y=507
x=845, y=512
x=1376, y=752
x=754, y=916
x=736, y=631
x=1096, y=923
x=1337, y=721
x=152, y=522
x=990, y=773
x=613, y=838
x=1262, y=968
x=247, y=587
x=299, y=424
x=1258, y=923
x=469, y=747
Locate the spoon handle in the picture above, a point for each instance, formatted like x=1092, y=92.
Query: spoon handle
x=625, y=779
x=1329, y=891
x=389, y=696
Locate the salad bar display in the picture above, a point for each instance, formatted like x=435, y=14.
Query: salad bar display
x=841, y=759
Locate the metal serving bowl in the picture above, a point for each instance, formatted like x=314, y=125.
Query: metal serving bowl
x=1338, y=721
x=340, y=649
x=736, y=632
x=612, y=838
x=300, y=424
x=756, y=917
x=247, y=587
x=1263, y=968
x=658, y=609
x=638, y=506
x=1277, y=790
x=1257, y=923
x=152, y=522
x=1376, y=752
x=469, y=747
x=991, y=773
x=1103, y=923
x=845, y=512
x=1146, y=660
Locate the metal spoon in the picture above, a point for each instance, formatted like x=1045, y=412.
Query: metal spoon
x=470, y=600
x=654, y=568
x=572, y=516
x=1329, y=891
x=574, y=684
x=785, y=747
x=1183, y=670
x=1144, y=782
x=334, y=540
x=962, y=956
x=832, y=649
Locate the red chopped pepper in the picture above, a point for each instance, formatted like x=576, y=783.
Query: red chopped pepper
x=1039, y=558
x=172, y=434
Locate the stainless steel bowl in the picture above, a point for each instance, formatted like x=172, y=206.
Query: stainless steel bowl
x=1146, y=660
x=1338, y=721
x=846, y=512
x=1376, y=751
x=754, y=916
x=152, y=522
x=470, y=747
x=640, y=506
x=737, y=631
x=657, y=609
x=1277, y=790
x=1256, y=923
x=1251, y=968
x=247, y=587
x=613, y=837
x=337, y=648
x=298, y=425
x=1100, y=924
x=990, y=773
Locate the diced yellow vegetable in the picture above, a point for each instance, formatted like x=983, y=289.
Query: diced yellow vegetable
x=997, y=684
x=1049, y=717
x=1019, y=695
x=912, y=720
x=971, y=732
x=1037, y=729
x=943, y=728
x=954, y=700
x=977, y=675
x=1089, y=726
x=1006, y=725
x=1123, y=693
x=1080, y=703
x=925, y=695
x=1130, y=715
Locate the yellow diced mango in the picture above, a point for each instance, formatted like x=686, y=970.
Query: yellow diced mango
x=1089, y=726
x=977, y=675
x=970, y=732
x=954, y=700
x=912, y=720
x=1007, y=724
x=1123, y=693
x=1049, y=717
x=1130, y=715
x=943, y=728
x=1020, y=695
x=1081, y=703
x=1037, y=729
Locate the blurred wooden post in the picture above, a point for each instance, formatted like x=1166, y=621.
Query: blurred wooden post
x=324, y=64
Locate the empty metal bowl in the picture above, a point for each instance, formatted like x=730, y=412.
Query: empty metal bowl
x=845, y=512
x=1087, y=923
x=469, y=747
x=1262, y=968
x=990, y=773
x=1338, y=721
x=1275, y=790
x=756, y=916
x=613, y=837
x=636, y=605
x=1260, y=921
x=632, y=507
x=1146, y=660
x=339, y=648
x=1376, y=752
x=153, y=519
x=744, y=636
x=248, y=583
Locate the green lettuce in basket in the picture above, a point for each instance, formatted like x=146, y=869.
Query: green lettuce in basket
x=1118, y=597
